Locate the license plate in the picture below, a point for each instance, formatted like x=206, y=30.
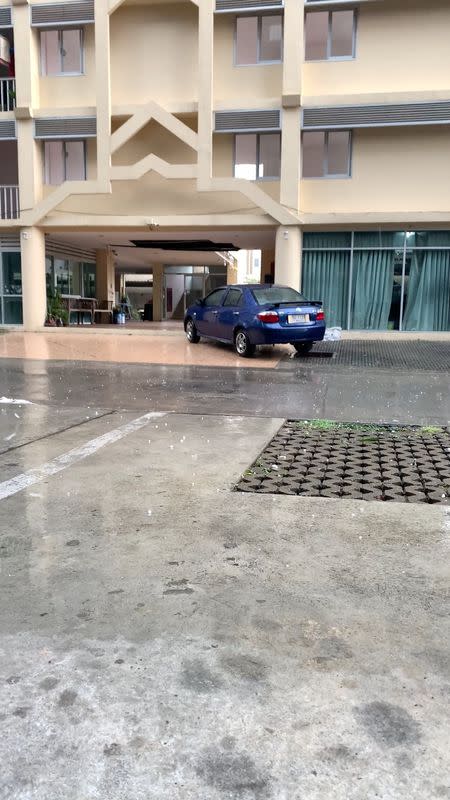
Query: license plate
x=295, y=319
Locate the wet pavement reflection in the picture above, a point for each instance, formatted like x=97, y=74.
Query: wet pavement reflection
x=361, y=394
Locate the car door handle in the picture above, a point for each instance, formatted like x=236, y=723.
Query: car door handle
x=215, y=313
x=235, y=313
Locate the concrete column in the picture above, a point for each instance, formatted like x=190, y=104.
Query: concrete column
x=232, y=273
x=288, y=256
x=291, y=100
x=32, y=243
x=158, y=291
x=205, y=88
x=103, y=89
x=29, y=151
x=104, y=275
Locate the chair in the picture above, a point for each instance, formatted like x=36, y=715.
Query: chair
x=104, y=307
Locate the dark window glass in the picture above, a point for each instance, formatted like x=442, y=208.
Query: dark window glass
x=233, y=297
x=326, y=154
x=329, y=34
x=246, y=40
x=316, y=35
x=341, y=34
x=245, y=156
x=269, y=155
x=215, y=298
x=313, y=154
x=338, y=153
x=12, y=275
x=271, y=38
x=277, y=294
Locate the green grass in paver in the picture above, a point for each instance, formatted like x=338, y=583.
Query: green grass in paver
x=324, y=458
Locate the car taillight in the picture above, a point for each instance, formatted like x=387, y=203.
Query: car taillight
x=320, y=315
x=268, y=316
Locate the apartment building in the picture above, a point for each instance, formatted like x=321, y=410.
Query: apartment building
x=142, y=135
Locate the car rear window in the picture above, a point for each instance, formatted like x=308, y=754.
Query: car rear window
x=277, y=294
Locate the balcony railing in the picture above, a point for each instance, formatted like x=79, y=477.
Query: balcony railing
x=7, y=94
x=9, y=202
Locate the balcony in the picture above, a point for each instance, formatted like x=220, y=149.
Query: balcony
x=9, y=202
x=7, y=94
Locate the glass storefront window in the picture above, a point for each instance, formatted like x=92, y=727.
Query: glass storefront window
x=89, y=280
x=68, y=277
x=12, y=275
x=320, y=240
x=380, y=280
x=326, y=277
x=12, y=311
x=379, y=239
x=10, y=289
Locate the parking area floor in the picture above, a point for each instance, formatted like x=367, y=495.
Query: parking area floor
x=163, y=637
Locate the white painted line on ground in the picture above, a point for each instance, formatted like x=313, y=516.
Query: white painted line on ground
x=32, y=476
x=13, y=402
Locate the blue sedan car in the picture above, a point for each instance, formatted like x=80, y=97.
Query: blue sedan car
x=256, y=314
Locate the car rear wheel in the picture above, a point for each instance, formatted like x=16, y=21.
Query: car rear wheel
x=243, y=345
x=191, y=332
x=302, y=347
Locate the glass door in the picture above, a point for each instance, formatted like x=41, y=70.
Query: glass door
x=193, y=288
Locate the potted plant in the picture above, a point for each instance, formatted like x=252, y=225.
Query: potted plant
x=57, y=314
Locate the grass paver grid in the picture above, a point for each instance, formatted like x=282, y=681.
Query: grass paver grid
x=363, y=462
x=426, y=356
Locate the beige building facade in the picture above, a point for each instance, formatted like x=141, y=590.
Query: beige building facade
x=161, y=136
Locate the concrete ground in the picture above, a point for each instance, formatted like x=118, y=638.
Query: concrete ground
x=165, y=638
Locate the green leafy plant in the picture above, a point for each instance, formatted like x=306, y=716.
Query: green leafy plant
x=57, y=313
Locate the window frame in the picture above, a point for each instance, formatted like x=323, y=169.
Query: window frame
x=64, y=143
x=259, y=61
x=328, y=56
x=60, y=32
x=258, y=135
x=326, y=175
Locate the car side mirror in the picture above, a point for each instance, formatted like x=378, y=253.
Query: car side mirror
x=201, y=301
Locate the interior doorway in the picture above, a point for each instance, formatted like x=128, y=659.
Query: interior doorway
x=185, y=285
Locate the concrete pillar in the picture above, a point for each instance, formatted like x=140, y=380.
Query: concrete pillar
x=32, y=244
x=288, y=256
x=104, y=275
x=205, y=89
x=158, y=292
x=294, y=13
x=29, y=151
x=232, y=272
x=103, y=89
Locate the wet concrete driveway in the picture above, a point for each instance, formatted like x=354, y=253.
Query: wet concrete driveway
x=163, y=638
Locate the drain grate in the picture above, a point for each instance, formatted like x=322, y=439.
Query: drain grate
x=363, y=462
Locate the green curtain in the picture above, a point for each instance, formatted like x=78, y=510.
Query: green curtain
x=323, y=240
x=428, y=296
x=373, y=280
x=325, y=277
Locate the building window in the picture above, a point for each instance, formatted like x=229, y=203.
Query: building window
x=257, y=155
x=378, y=280
x=70, y=277
x=62, y=52
x=327, y=154
x=259, y=39
x=10, y=289
x=64, y=161
x=330, y=35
